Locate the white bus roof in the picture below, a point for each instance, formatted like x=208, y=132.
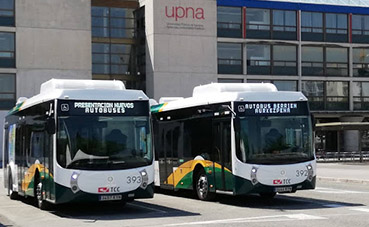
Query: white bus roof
x=229, y=92
x=81, y=90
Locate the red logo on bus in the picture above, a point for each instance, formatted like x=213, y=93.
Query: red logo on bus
x=103, y=190
x=277, y=181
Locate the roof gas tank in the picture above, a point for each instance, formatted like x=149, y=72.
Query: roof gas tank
x=61, y=84
x=219, y=88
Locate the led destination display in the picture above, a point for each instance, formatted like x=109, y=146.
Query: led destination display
x=271, y=108
x=128, y=108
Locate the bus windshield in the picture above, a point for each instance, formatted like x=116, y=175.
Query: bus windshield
x=274, y=139
x=103, y=143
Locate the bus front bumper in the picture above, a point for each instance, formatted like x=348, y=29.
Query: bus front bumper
x=65, y=195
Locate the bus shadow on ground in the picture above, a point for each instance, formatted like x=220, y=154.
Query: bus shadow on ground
x=279, y=202
x=115, y=211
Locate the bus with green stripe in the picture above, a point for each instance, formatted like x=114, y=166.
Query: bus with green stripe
x=79, y=141
x=234, y=139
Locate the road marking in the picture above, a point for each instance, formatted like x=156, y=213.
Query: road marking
x=337, y=191
x=360, y=209
x=274, y=218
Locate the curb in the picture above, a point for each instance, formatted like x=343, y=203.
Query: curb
x=342, y=180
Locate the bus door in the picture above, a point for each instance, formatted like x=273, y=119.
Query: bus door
x=222, y=154
x=168, y=153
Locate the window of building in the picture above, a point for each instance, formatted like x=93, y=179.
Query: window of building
x=337, y=95
x=330, y=95
x=226, y=80
x=229, y=21
x=284, y=24
x=282, y=85
x=275, y=24
x=314, y=91
x=110, y=58
x=336, y=27
x=7, y=13
x=361, y=62
x=7, y=52
x=110, y=22
x=361, y=95
x=312, y=26
x=230, y=58
x=7, y=91
x=284, y=60
x=312, y=61
x=360, y=28
x=336, y=61
x=258, y=23
x=258, y=59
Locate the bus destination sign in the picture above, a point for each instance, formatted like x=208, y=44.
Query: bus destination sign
x=129, y=108
x=271, y=108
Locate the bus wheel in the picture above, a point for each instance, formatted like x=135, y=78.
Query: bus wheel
x=11, y=193
x=268, y=195
x=39, y=197
x=202, y=186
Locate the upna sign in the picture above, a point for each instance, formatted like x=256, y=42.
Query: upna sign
x=181, y=12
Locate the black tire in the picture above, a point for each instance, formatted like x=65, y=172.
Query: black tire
x=11, y=193
x=39, y=198
x=202, y=186
x=268, y=195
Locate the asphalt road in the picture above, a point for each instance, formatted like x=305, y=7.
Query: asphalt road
x=332, y=204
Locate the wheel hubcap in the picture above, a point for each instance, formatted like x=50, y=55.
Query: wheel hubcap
x=39, y=193
x=202, y=186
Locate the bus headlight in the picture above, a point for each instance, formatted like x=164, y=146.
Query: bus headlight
x=310, y=172
x=254, y=180
x=145, y=179
x=74, y=182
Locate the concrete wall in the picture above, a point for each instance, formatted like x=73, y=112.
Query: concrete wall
x=181, y=46
x=53, y=40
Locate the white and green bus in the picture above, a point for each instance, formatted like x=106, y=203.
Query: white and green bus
x=234, y=139
x=79, y=140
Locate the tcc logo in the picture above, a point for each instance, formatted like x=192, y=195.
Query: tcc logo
x=277, y=181
x=64, y=107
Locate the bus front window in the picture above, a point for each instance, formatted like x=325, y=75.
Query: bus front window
x=274, y=140
x=91, y=142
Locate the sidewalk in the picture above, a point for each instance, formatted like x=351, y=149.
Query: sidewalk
x=344, y=172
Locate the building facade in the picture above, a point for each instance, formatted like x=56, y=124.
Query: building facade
x=166, y=47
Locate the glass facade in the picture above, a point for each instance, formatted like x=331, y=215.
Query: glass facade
x=229, y=22
x=326, y=95
x=282, y=61
x=361, y=95
x=336, y=27
x=7, y=91
x=360, y=62
x=117, y=41
x=230, y=58
x=111, y=22
x=282, y=85
x=360, y=28
x=7, y=13
x=312, y=26
x=7, y=50
x=258, y=23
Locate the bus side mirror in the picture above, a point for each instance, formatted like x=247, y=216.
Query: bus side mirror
x=50, y=125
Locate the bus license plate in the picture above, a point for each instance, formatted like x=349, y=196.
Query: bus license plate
x=110, y=197
x=283, y=189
